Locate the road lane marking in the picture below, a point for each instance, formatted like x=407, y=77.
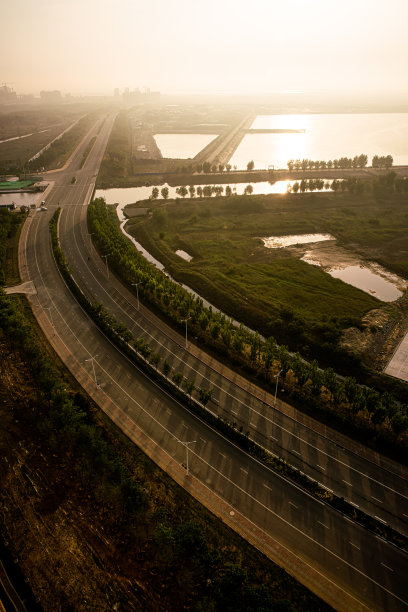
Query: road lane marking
x=321, y=467
x=276, y=439
x=243, y=470
x=267, y=487
x=323, y=525
x=386, y=567
x=380, y=519
x=376, y=499
x=297, y=452
x=355, y=545
x=347, y=483
x=292, y=504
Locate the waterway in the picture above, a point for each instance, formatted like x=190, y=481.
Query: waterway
x=130, y=195
x=325, y=137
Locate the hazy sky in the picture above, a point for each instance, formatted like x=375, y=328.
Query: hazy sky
x=197, y=46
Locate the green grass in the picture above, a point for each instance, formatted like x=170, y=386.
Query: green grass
x=15, y=184
x=269, y=288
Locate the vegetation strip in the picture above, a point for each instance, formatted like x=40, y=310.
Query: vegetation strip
x=118, y=333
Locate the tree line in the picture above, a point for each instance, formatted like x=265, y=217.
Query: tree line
x=376, y=416
x=358, y=161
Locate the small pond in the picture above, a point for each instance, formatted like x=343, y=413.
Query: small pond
x=277, y=242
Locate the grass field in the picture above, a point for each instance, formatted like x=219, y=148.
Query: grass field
x=271, y=289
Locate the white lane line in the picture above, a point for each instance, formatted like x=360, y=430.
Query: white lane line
x=353, y=504
x=203, y=441
x=253, y=425
x=355, y=545
x=222, y=455
x=380, y=519
x=267, y=487
x=297, y=452
x=386, y=567
x=321, y=467
x=347, y=483
x=243, y=470
x=276, y=439
x=406, y=515
x=292, y=504
x=376, y=499
x=323, y=525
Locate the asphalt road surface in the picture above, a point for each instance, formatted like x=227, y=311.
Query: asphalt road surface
x=345, y=564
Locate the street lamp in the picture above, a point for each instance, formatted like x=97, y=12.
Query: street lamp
x=92, y=359
x=186, y=444
x=185, y=321
x=106, y=261
x=276, y=387
x=137, y=292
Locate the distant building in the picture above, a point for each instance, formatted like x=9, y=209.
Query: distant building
x=51, y=96
x=7, y=95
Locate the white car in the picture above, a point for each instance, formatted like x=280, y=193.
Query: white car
x=43, y=208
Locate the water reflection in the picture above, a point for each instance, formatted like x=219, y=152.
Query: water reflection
x=182, y=146
x=277, y=242
x=325, y=137
x=368, y=281
x=129, y=195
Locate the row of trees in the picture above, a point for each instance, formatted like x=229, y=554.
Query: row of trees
x=206, y=191
x=376, y=414
x=382, y=161
x=359, y=161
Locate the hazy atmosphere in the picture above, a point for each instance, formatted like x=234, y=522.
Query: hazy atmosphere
x=216, y=46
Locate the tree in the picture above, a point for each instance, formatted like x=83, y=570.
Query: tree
x=228, y=191
x=183, y=191
x=199, y=191
x=165, y=193
x=250, y=165
x=155, y=193
x=290, y=165
x=177, y=378
x=192, y=191
x=155, y=359
x=248, y=190
x=189, y=386
x=205, y=395
x=166, y=368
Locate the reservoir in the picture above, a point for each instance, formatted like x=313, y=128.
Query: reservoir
x=182, y=146
x=325, y=137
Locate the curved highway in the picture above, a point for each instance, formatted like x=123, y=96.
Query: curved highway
x=343, y=563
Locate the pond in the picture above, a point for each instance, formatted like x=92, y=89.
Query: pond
x=182, y=146
x=130, y=195
x=277, y=242
x=325, y=137
x=367, y=276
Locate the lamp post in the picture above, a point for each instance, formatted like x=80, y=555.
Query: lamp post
x=276, y=387
x=185, y=321
x=137, y=292
x=106, y=261
x=92, y=359
x=186, y=444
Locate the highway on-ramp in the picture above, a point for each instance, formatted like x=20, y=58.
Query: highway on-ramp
x=345, y=564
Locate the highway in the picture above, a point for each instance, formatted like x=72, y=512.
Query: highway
x=343, y=563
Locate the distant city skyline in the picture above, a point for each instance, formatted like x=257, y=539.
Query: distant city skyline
x=213, y=47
